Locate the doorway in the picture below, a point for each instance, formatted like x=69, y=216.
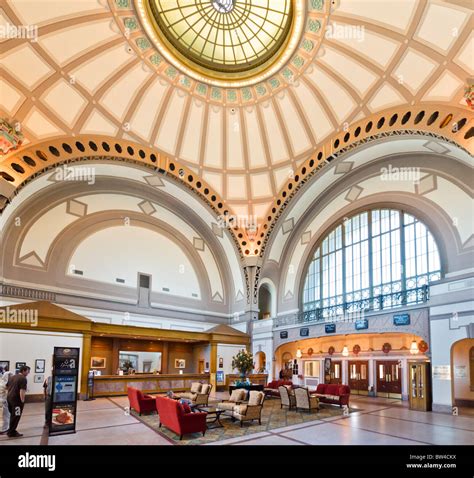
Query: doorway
x=201, y=366
x=335, y=374
x=358, y=377
x=389, y=380
x=419, y=384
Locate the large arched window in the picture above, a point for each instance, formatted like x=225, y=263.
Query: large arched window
x=375, y=260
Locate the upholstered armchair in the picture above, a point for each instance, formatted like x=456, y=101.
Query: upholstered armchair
x=237, y=397
x=199, y=393
x=140, y=402
x=304, y=400
x=202, y=398
x=287, y=397
x=250, y=411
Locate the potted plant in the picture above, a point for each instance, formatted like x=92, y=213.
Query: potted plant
x=127, y=365
x=243, y=362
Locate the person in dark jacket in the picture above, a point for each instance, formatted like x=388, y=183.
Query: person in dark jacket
x=16, y=394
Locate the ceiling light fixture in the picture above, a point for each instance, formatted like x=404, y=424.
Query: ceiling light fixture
x=345, y=351
x=414, y=347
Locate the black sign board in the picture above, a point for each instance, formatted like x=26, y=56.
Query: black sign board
x=304, y=332
x=330, y=328
x=64, y=390
x=401, y=319
x=284, y=334
x=361, y=324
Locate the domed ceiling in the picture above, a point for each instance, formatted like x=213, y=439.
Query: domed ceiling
x=245, y=114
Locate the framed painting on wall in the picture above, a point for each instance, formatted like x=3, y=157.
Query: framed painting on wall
x=5, y=364
x=221, y=362
x=39, y=365
x=98, y=362
x=18, y=365
x=179, y=363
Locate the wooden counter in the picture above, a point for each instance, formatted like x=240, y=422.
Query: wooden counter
x=111, y=385
x=255, y=378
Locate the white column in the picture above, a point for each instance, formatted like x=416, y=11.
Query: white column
x=345, y=372
x=372, y=373
x=404, y=372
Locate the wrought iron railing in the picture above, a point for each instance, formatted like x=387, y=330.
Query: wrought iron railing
x=373, y=304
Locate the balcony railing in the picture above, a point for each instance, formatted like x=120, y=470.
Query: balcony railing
x=356, y=308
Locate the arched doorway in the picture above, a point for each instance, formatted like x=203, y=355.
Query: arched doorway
x=260, y=362
x=266, y=300
x=462, y=373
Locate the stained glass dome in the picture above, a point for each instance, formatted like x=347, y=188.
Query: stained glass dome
x=224, y=36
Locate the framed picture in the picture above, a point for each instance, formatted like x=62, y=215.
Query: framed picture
x=221, y=362
x=38, y=379
x=179, y=363
x=327, y=365
x=5, y=364
x=98, y=362
x=18, y=365
x=39, y=365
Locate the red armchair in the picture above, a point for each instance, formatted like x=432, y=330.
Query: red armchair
x=172, y=416
x=140, y=402
x=333, y=393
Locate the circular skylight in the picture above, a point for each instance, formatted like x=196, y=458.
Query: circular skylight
x=227, y=36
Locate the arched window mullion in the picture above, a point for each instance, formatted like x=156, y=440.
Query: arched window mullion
x=344, y=278
x=371, y=264
x=402, y=259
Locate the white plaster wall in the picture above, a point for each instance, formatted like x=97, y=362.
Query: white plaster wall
x=27, y=346
x=227, y=351
x=123, y=251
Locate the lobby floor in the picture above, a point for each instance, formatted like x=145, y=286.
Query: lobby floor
x=380, y=422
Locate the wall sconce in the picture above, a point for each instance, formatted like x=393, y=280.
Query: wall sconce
x=299, y=354
x=414, y=348
x=345, y=351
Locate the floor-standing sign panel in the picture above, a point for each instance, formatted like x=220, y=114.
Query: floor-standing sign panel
x=65, y=383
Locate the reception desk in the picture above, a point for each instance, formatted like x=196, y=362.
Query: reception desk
x=112, y=385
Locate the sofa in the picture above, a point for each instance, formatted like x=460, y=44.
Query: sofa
x=174, y=417
x=333, y=393
x=140, y=402
x=199, y=393
x=271, y=389
x=237, y=396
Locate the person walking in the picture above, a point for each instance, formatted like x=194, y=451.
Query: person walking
x=4, y=413
x=16, y=387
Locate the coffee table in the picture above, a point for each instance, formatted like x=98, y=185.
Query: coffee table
x=213, y=415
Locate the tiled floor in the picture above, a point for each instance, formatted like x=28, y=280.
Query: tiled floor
x=380, y=422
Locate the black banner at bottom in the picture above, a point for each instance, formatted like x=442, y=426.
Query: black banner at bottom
x=142, y=460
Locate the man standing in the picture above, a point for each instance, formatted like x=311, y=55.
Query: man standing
x=4, y=413
x=16, y=387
